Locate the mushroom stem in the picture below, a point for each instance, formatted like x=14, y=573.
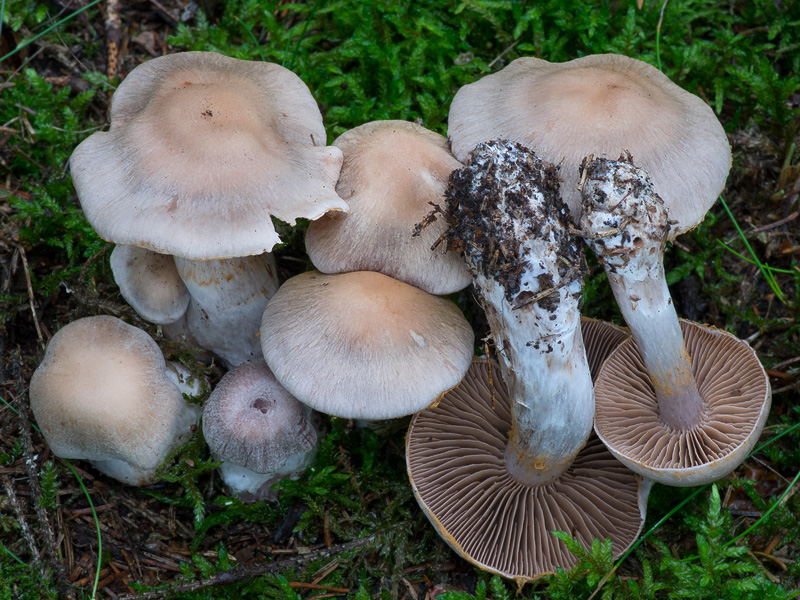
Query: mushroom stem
x=626, y=224
x=506, y=213
x=228, y=300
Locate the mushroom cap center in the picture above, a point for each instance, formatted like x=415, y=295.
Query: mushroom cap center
x=263, y=405
x=598, y=98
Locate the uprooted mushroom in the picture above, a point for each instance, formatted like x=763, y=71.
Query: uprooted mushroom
x=535, y=470
x=680, y=403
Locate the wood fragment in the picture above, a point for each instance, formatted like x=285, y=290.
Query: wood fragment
x=325, y=571
x=317, y=586
x=244, y=572
x=113, y=25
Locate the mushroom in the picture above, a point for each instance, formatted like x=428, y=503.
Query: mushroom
x=103, y=393
x=260, y=431
x=203, y=149
x=694, y=400
x=456, y=454
x=392, y=172
x=362, y=345
x=601, y=105
x=497, y=469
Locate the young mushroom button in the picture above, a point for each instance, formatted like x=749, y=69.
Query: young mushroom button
x=260, y=431
x=103, y=393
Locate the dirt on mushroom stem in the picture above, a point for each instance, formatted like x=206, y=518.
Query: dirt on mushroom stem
x=505, y=213
x=493, y=244
x=627, y=225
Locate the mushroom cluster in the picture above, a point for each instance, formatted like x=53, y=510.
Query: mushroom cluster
x=564, y=430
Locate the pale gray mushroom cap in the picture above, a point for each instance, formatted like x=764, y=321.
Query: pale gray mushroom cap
x=102, y=393
x=252, y=421
x=363, y=345
x=202, y=150
x=736, y=400
x=457, y=464
x=150, y=283
x=393, y=172
x=602, y=105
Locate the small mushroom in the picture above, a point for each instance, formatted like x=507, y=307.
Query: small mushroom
x=103, y=393
x=689, y=412
x=260, y=431
x=202, y=151
x=393, y=171
x=363, y=345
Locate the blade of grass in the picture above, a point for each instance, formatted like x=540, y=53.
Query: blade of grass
x=27, y=42
x=752, y=262
x=97, y=527
x=12, y=555
x=683, y=503
x=765, y=515
x=302, y=35
x=88, y=498
x=252, y=37
x=658, y=33
x=2, y=16
x=770, y=279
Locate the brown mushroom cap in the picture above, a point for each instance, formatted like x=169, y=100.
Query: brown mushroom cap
x=602, y=105
x=392, y=172
x=456, y=453
x=102, y=393
x=150, y=283
x=202, y=150
x=363, y=345
x=252, y=421
x=736, y=399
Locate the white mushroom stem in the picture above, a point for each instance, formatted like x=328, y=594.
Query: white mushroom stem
x=626, y=224
x=228, y=300
x=506, y=213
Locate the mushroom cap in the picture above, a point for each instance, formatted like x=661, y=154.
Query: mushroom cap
x=150, y=283
x=736, y=396
x=393, y=171
x=456, y=456
x=102, y=393
x=252, y=421
x=602, y=105
x=202, y=150
x=363, y=345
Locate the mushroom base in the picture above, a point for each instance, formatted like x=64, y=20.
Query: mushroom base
x=250, y=486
